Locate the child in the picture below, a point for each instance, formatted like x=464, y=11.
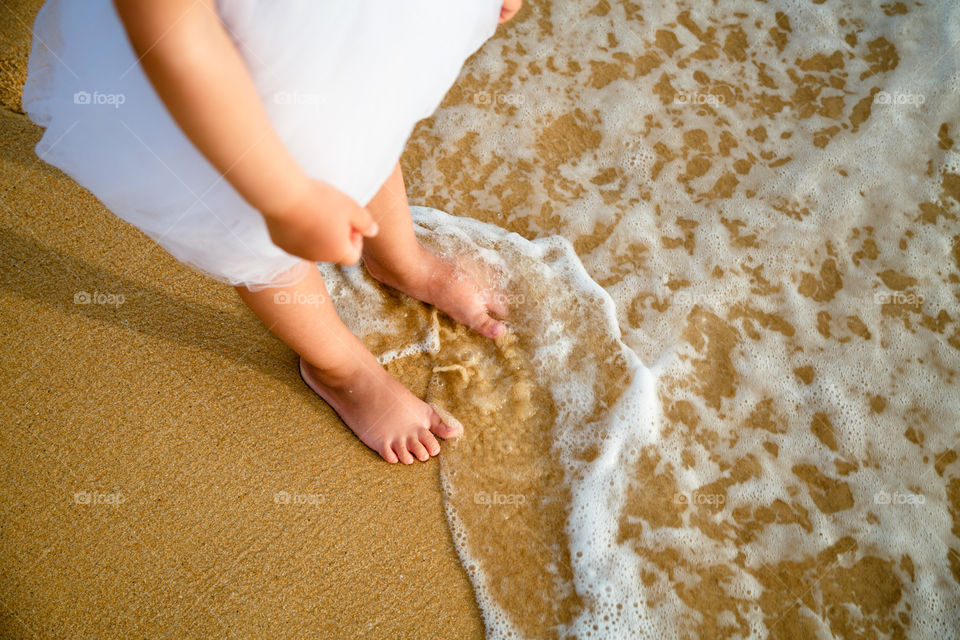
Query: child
x=251, y=138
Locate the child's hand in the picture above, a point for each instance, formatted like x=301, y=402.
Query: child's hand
x=509, y=9
x=324, y=225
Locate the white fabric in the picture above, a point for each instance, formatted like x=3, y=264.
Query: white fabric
x=343, y=83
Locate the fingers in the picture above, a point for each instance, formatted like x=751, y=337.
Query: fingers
x=362, y=225
x=352, y=251
x=326, y=226
x=362, y=221
x=356, y=241
x=508, y=10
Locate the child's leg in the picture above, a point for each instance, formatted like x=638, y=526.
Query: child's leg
x=380, y=411
x=396, y=258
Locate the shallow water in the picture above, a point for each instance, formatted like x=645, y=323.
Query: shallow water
x=764, y=197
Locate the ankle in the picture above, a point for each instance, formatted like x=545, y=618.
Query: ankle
x=402, y=274
x=336, y=378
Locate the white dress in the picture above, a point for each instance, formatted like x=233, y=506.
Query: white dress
x=343, y=83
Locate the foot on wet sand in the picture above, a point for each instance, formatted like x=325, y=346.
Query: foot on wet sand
x=386, y=416
x=450, y=288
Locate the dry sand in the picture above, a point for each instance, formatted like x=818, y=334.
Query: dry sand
x=179, y=405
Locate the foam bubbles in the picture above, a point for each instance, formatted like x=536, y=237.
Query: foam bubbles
x=742, y=249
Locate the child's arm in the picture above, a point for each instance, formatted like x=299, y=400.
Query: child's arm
x=201, y=78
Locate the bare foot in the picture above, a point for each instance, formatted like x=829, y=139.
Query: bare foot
x=380, y=411
x=449, y=287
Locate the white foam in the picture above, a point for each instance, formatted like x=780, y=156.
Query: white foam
x=885, y=165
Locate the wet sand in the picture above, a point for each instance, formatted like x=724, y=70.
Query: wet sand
x=769, y=193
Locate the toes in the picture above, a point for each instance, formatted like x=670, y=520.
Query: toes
x=400, y=448
x=387, y=454
x=447, y=427
x=488, y=327
x=429, y=442
x=417, y=449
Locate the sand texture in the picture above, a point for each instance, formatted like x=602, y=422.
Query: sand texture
x=187, y=421
x=768, y=193
x=726, y=406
